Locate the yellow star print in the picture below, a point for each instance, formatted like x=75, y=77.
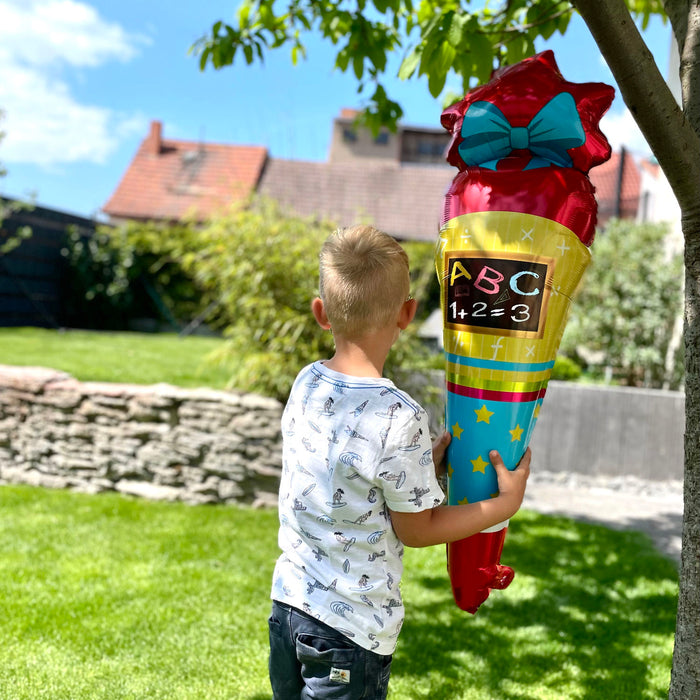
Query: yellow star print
x=483, y=415
x=537, y=410
x=516, y=433
x=450, y=470
x=463, y=502
x=457, y=431
x=479, y=465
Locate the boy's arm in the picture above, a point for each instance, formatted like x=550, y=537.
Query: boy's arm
x=449, y=523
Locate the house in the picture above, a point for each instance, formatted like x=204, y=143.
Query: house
x=171, y=179
x=395, y=180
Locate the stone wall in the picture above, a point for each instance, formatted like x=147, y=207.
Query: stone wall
x=203, y=446
x=161, y=442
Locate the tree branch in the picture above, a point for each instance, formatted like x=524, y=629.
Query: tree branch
x=668, y=132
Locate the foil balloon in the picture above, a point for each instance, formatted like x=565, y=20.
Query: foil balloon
x=517, y=223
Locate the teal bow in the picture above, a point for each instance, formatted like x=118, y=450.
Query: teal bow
x=488, y=135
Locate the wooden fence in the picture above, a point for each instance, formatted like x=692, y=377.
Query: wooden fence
x=32, y=275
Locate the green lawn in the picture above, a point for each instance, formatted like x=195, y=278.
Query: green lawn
x=106, y=597
x=140, y=358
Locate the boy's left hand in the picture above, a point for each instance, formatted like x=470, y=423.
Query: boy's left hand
x=439, y=447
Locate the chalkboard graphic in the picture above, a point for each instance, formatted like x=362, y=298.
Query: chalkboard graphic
x=506, y=296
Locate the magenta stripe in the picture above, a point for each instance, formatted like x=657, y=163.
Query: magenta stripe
x=490, y=395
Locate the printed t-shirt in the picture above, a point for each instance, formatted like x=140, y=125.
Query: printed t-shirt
x=352, y=448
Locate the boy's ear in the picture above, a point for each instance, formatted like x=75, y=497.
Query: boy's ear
x=408, y=311
x=319, y=313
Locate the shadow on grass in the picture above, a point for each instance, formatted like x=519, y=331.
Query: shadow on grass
x=591, y=614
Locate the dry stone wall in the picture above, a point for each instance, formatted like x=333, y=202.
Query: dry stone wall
x=203, y=446
x=160, y=442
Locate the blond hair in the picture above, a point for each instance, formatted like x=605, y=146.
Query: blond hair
x=364, y=280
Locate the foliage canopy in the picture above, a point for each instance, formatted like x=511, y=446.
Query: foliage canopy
x=435, y=39
x=629, y=302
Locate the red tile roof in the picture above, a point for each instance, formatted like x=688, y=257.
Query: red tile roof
x=169, y=179
x=403, y=200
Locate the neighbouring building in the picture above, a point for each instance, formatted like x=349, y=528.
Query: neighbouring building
x=395, y=180
x=171, y=179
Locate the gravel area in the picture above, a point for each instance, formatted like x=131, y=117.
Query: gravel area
x=653, y=507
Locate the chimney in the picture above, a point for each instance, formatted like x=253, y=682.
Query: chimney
x=155, y=137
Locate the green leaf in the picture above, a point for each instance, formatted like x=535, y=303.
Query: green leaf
x=204, y=57
x=377, y=56
x=243, y=15
x=429, y=47
x=358, y=66
x=517, y=48
x=563, y=22
x=410, y=63
x=455, y=32
x=436, y=81
x=304, y=20
x=482, y=56
x=342, y=59
x=547, y=29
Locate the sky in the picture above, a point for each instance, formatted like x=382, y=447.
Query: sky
x=81, y=80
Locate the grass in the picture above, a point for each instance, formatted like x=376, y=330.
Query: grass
x=107, y=598
x=139, y=358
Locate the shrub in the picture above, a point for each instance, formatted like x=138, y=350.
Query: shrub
x=250, y=273
x=565, y=369
x=629, y=302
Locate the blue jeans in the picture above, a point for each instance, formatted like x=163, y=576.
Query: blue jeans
x=309, y=659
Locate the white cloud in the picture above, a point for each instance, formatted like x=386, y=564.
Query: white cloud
x=44, y=123
x=621, y=130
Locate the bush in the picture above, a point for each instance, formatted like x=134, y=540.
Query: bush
x=565, y=369
x=629, y=302
x=132, y=271
x=250, y=274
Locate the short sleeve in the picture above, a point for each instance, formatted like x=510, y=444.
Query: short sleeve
x=407, y=473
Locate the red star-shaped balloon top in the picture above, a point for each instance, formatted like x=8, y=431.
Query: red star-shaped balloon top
x=520, y=92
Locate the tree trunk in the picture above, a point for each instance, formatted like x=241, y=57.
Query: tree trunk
x=685, y=677
x=674, y=137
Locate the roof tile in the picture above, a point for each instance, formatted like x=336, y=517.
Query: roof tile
x=185, y=178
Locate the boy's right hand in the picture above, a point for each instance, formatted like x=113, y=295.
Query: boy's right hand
x=511, y=484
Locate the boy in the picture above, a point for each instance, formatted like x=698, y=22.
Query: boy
x=358, y=484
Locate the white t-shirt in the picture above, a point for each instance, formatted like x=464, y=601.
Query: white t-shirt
x=353, y=447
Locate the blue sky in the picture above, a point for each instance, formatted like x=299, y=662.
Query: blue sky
x=80, y=81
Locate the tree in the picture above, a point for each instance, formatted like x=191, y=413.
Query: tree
x=439, y=37
x=627, y=306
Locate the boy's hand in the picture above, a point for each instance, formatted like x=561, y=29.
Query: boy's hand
x=439, y=447
x=511, y=484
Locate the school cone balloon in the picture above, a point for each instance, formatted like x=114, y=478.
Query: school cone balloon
x=517, y=224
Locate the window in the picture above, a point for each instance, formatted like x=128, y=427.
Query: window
x=430, y=148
